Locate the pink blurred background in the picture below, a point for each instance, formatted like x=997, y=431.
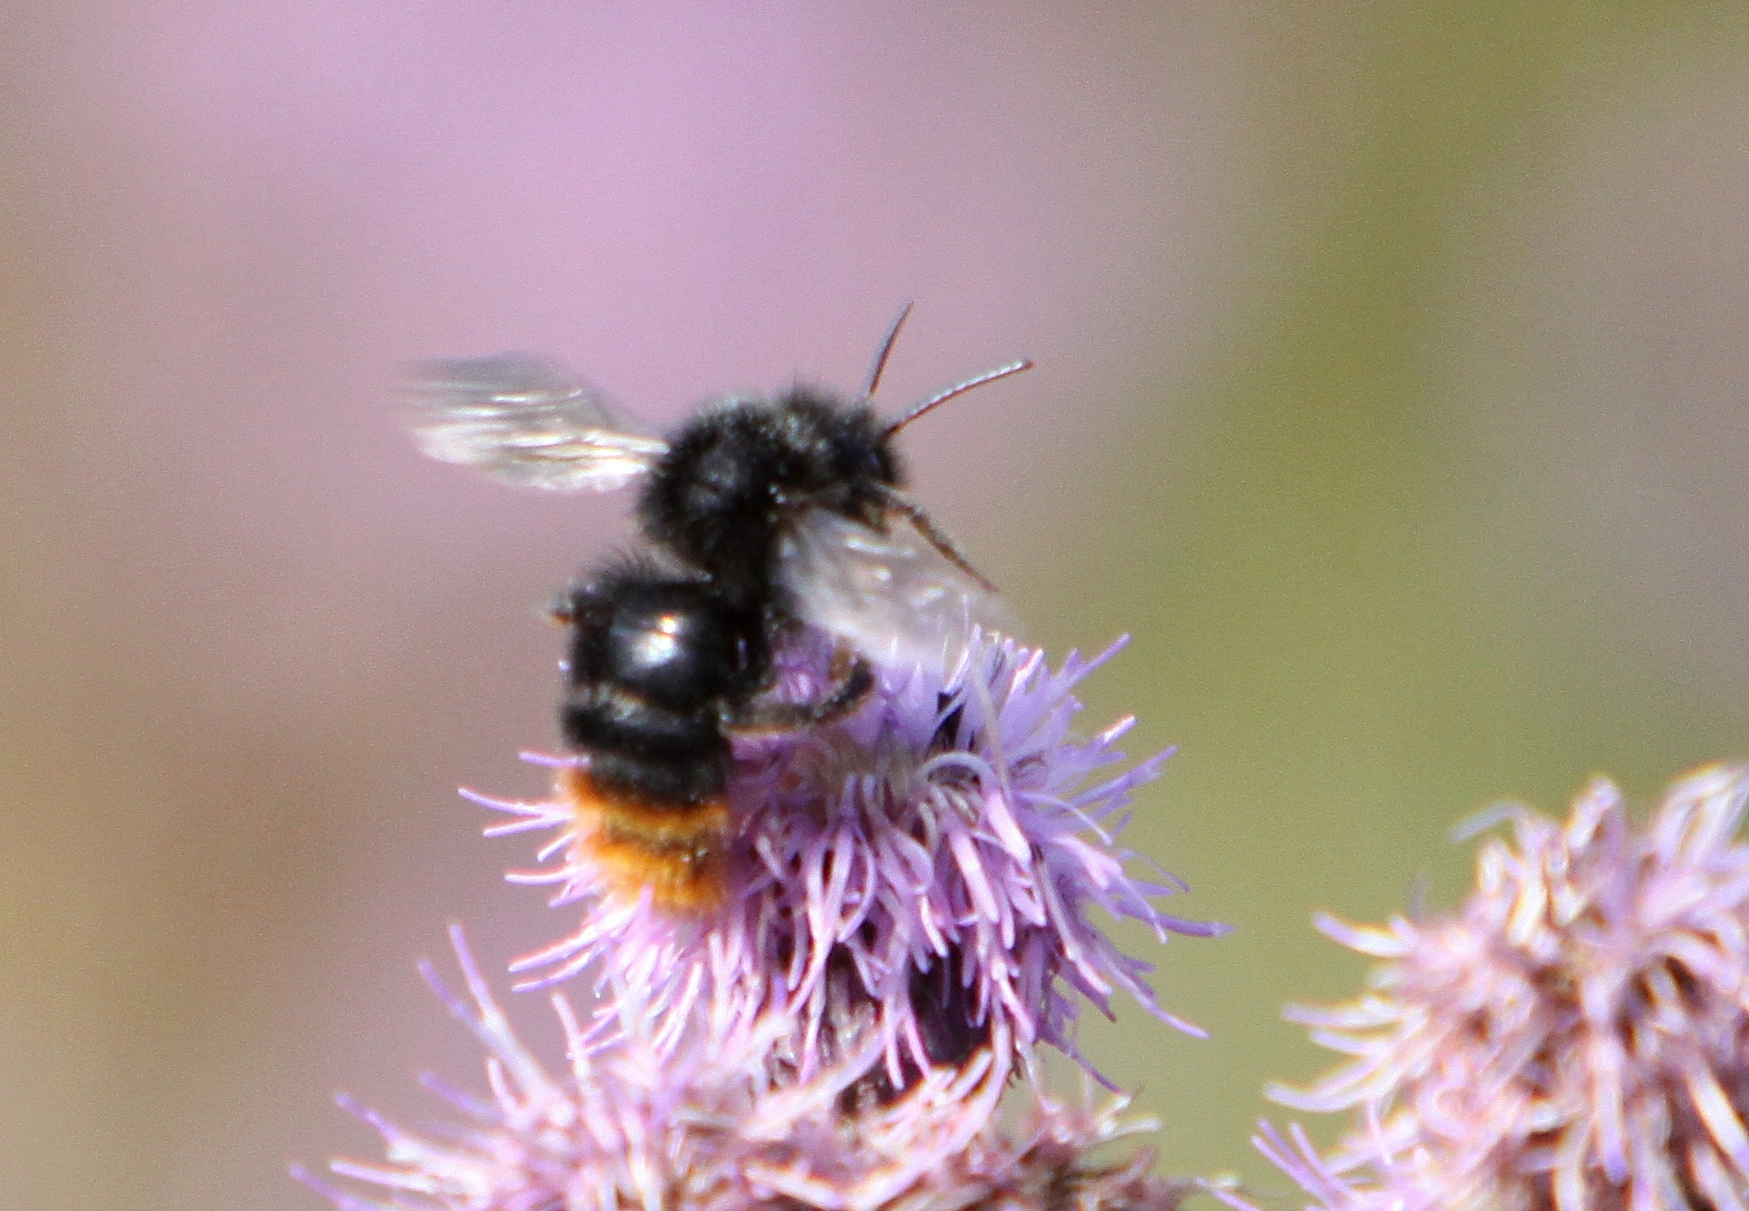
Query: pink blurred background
x=1390, y=388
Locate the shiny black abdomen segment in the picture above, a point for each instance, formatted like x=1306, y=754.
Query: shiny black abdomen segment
x=662, y=757
x=654, y=664
x=674, y=645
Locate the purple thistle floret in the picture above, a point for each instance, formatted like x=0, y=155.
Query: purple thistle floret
x=921, y=875
x=1575, y=1037
x=635, y=1126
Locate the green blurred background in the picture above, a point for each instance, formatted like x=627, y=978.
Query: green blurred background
x=1393, y=361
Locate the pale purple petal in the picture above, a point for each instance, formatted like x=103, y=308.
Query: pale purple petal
x=1574, y=1037
x=709, y=1129
x=948, y=822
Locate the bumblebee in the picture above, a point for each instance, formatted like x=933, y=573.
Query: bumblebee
x=759, y=517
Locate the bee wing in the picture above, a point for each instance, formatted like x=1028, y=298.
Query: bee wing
x=892, y=595
x=527, y=421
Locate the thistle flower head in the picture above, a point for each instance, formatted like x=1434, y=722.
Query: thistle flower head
x=635, y=1126
x=921, y=874
x=1576, y=1036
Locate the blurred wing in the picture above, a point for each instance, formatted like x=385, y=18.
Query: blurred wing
x=526, y=421
x=893, y=595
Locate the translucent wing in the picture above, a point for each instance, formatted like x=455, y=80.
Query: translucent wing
x=892, y=595
x=526, y=421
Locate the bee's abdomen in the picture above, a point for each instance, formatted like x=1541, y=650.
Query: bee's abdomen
x=666, y=757
x=677, y=854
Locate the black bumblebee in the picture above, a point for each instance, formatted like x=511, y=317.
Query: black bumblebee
x=759, y=516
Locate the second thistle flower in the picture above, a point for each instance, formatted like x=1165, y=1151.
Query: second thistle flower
x=1576, y=1036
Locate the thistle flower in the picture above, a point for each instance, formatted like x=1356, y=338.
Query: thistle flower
x=635, y=1126
x=921, y=874
x=1576, y=1036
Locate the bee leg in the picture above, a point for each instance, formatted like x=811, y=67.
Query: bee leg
x=847, y=695
x=843, y=697
x=577, y=604
x=934, y=534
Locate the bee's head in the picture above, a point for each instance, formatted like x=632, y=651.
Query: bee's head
x=829, y=454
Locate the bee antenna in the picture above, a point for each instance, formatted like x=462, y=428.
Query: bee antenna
x=935, y=401
x=880, y=363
